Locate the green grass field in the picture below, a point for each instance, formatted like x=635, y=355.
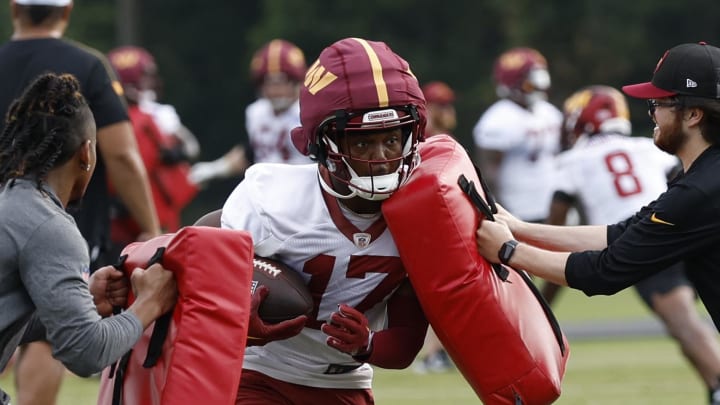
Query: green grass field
x=618, y=371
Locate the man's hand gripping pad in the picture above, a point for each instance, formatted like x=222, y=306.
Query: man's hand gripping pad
x=502, y=337
x=200, y=359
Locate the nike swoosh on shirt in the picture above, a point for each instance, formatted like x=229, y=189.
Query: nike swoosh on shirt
x=654, y=218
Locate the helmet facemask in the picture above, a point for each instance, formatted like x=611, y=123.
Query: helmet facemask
x=333, y=136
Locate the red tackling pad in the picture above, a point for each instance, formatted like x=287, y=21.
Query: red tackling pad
x=497, y=332
x=202, y=354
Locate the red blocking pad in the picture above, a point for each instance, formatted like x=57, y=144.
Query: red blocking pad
x=202, y=354
x=495, y=330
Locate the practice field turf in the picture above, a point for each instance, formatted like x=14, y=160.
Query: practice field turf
x=601, y=371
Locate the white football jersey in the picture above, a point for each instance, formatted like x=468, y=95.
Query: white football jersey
x=529, y=140
x=613, y=176
x=269, y=134
x=344, y=257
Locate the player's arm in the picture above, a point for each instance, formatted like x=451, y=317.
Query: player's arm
x=119, y=150
x=232, y=163
x=394, y=347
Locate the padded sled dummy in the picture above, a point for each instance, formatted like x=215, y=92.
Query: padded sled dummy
x=200, y=359
x=493, y=323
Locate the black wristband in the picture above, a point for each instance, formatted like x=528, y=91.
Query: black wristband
x=506, y=251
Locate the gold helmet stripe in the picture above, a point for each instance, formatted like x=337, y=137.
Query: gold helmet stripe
x=274, y=50
x=380, y=86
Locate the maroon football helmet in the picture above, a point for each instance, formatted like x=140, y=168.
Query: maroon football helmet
x=132, y=63
x=136, y=69
x=596, y=109
x=278, y=56
x=521, y=74
x=438, y=92
x=359, y=85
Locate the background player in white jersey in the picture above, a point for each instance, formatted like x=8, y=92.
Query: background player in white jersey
x=517, y=137
x=611, y=175
x=277, y=70
x=363, y=114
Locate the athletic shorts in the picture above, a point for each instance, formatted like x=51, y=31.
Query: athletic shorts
x=662, y=282
x=259, y=389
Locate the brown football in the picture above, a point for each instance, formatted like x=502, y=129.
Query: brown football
x=288, y=295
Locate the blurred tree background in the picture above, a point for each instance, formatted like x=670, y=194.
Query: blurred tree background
x=203, y=48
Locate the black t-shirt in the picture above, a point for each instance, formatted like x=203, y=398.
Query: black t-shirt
x=21, y=61
x=683, y=224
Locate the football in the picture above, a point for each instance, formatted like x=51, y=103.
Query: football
x=288, y=295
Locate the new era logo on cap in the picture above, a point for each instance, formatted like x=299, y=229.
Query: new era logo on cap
x=687, y=70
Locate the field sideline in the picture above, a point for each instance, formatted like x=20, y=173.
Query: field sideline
x=640, y=371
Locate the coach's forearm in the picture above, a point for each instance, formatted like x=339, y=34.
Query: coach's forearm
x=562, y=238
x=541, y=263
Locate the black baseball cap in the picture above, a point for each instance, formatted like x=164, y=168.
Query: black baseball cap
x=687, y=70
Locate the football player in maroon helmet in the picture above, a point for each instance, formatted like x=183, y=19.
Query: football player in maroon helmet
x=277, y=70
x=164, y=154
x=384, y=99
x=517, y=137
x=363, y=115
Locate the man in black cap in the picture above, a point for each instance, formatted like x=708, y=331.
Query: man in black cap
x=682, y=224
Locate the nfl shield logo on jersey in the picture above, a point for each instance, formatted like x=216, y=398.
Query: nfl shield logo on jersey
x=362, y=240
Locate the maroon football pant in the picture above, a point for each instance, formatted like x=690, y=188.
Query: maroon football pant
x=259, y=389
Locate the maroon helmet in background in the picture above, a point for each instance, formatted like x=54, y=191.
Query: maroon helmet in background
x=441, y=114
x=596, y=109
x=278, y=56
x=136, y=69
x=521, y=74
x=359, y=85
x=277, y=69
x=438, y=92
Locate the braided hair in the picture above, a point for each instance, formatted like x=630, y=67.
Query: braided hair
x=44, y=128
